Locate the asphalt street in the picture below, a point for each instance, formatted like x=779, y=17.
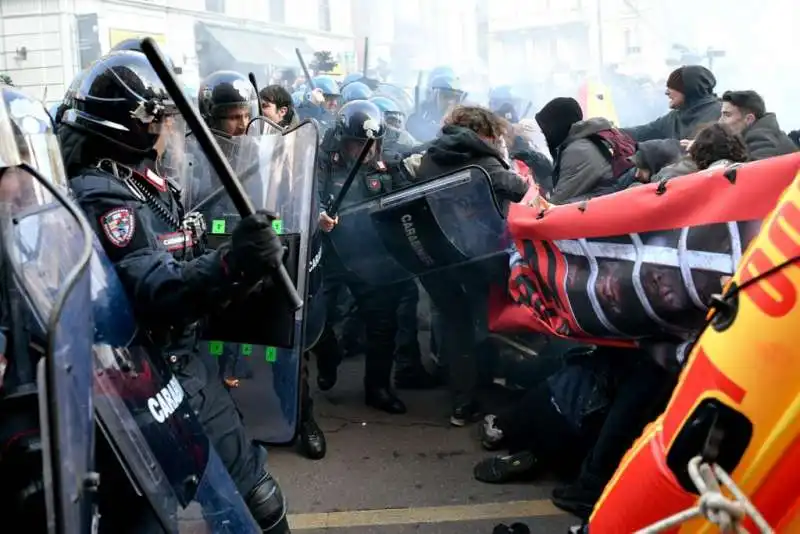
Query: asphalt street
x=401, y=474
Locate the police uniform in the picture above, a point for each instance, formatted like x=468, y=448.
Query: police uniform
x=376, y=306
x=171, y=281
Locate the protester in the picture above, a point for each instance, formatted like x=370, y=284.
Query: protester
x=690, y=91
x=471, y=135
x=526, y=143
x=745, y=113
x=589, y=155
x=717, y=145
x=277, y=106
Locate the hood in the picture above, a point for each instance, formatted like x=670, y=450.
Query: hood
x=698, y=84
x=460, y=146
x=583, y=129
x=656, y=154
x=768, y=122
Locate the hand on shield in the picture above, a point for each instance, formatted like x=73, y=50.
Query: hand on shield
x=255, y=247
x=326, y=222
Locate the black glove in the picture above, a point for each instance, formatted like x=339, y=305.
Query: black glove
x=255, y=249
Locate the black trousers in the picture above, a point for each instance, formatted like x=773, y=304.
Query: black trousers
x=460, y=296
x=217, y=413
x=642, y=392
x=408, y=354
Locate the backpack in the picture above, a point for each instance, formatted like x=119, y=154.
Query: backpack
x=618, y=147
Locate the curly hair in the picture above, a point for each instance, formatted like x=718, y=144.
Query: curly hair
x=478, y=119
x=715, y=142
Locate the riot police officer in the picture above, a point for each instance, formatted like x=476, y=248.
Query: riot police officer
x=228, y=103
x=322, y=102
x=355, y=91
x=376, y=306
x=115, y=136
x=445, y=92
x=397, y=140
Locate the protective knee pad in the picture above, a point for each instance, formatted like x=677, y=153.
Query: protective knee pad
x=268, y=506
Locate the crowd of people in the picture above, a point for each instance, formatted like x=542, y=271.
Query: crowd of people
x=583, y=406
x=580, y=406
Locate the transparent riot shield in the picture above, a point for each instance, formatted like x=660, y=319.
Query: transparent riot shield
x=445, y=222
x=142, y=411
x=46, y=250
x=256, y=338
x=398, y=94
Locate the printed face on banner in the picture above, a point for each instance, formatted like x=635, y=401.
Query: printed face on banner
x=630, y=286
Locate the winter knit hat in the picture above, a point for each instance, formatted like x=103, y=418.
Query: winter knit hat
x=675, y=80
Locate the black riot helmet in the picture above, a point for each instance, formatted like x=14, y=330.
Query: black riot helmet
x=134, y=44
x=227, y=102
x=356, y=122
x=120, y=99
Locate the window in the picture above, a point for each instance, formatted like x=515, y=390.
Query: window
x=215, y=6
x=324, y=15
x=277, y=11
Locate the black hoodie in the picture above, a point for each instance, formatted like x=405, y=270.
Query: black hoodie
x=701, y=106
x=458, y=147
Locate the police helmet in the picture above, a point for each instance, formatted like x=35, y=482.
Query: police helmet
x=327, y=85
x=356, y=91
x=352, y=77
x=360, y=119
x=441, y=71
x=119, y=98
x=134, y=44
x=223, y=91
x=392, y=113
x=445, y=82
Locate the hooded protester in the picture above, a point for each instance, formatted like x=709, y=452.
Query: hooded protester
x=586, y=153
x=472, y=135
x=690, y=90
x=745, y=113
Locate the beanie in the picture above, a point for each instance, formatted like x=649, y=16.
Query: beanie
x=675, y=80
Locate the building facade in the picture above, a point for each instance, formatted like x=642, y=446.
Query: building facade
x=45, y=43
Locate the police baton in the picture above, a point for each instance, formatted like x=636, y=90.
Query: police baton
x=302, y=61
x=212, y=151
x=527, y=109
x=337, y=202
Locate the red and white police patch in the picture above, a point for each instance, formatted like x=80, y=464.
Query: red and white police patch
x=374, y=184
x=118, y=225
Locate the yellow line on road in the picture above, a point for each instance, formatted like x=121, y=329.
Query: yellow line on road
x=433, y=514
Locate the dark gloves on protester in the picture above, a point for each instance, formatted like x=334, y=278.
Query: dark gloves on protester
x=255, y=248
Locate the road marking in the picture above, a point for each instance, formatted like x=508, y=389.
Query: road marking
x=433, y=514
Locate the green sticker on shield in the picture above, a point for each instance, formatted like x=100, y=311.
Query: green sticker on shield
x=272, y=354
x=247, y=349
x=277, y=225
x=215, y=348
x=218, y=226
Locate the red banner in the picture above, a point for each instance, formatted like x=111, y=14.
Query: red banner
x=643, y=262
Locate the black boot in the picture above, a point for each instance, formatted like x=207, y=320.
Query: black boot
x=383, y=399
x=311, y=440
x=268, y=506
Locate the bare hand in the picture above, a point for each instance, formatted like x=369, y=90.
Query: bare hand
x=326, y=222
x=686, y=144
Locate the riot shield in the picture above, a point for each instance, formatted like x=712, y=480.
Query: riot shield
x=142, y=411
x=434, y=225
x=256, y=338
x=48, y=247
